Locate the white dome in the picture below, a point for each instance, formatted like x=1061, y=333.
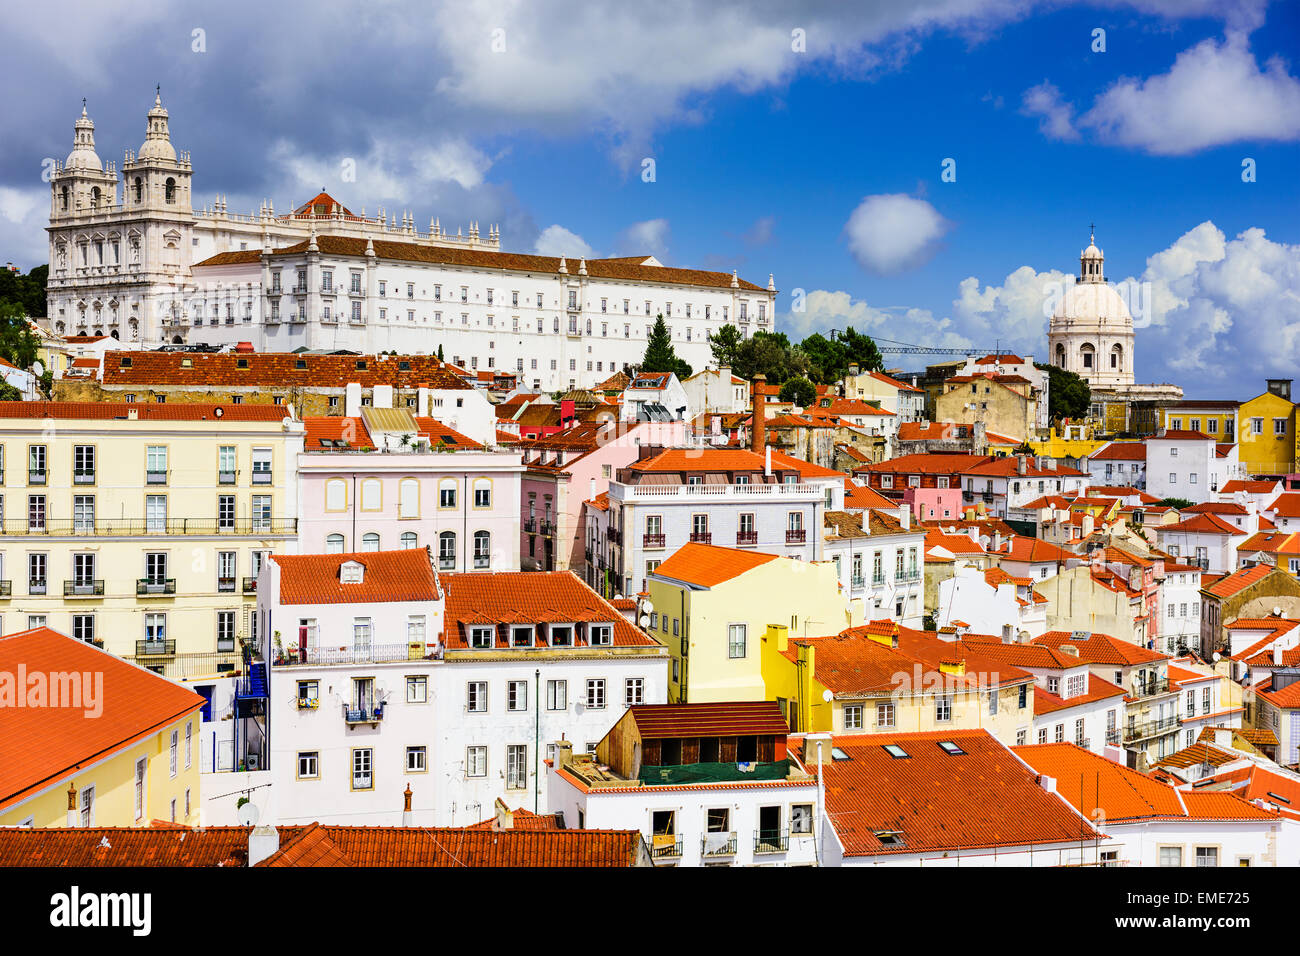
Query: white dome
x=1093, y=302
x=157, y=142
x=83, y=155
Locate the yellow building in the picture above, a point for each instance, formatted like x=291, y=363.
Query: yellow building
x=90, y=740
x=721, y=603
x=142, y=527
x=1218, y=419
x=1076, y=443
x=1006, y=404
x=884, y=678
x=1267, y=441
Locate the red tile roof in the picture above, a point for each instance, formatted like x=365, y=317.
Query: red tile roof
x=336, y=429
x=144, y=411
x=528, y=597
x=1180, y=435
x=1286, y=505
x=1033, y=551
x=926, y=464
x=858, y=497
x=1250, y=486
x=277, y=369
x=979, y=799
x=707, y=565
x=1121, y=451
x=1098, y=690
x=522, y=819
x=1201, y=524
x=387, y=576
x=729, y=719
x=1237, y=581
x=1100, y=648
x=42, y=745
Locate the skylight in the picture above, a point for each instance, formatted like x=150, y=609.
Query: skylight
x=838, y=754
x=951, y=749
x=889, y=837
x=896, y=751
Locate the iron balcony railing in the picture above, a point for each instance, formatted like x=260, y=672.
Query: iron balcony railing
x=1151, y=728
x=877, y=580
x=771, y=841
x=188, y=665
x=364, y=654
x=35, y=477
x=363, y=715
x=1150, y=688
x=795, y=536
x=714, y=844
x=124, y=527
x=653, y=541
x=702, y=537
x=226, y=584
x=37, y=586
x=6, y=588
x=530, y=525
x=145, y=586
x=83, y=476
x=482, y=560
x=155, y=477
x=155, y=648
x=261, y=477
x=446, y=562
x=746, y=537
x=908, y=576
x=666, y=851
x=614, y=534
x=1112, y=737
x=86, y=587
x=250, y=585
x=858, y=581
x=226, y=477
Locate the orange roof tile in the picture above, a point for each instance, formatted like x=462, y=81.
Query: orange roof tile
x=1100, y=648
x=1098, y=689
x=725, y=719
x=42, y=745
x=144, y=411
x=387, y=576
x=1231, y=584
x=708, y=565
x=277, y=369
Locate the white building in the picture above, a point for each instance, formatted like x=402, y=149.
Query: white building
x=716, y=391
x=706, y=784
x=991, y=601
x=1180, y=608
x=1182, y=464
x=1091, y=330
x=879, y=559
x=1119, y=464
x=655, y=397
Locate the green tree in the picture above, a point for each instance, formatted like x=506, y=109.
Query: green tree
x=1178, y=504
x=18, y=343
x=1068, y=395
x=725, y=345
x=771, y=354
x=27, y=292
x=830, y=358
x=798, y=390
x=440, y=358
x=8, y=393
x=659, y=353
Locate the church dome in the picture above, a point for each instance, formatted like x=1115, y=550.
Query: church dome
x=157, y=141
x=1093, y=303
x=83, y=155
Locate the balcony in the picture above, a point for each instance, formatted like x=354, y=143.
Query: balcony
x=910, y=576
x=83, y=476
x=36, y=477
x=652, y=540
x=250, y=585
x=1152, y=728
x=547, y=528
x=6, y=589
x=155, y=648
x=665, y=848
x=35, y=586
x=795, y=536
x=446, y=562
x=372, y=715
x=702, y=537
x=530, y=525
x=155, y=477
x=695, y=492
x=261, y=476
x=364, y=654
x=132, y=527
x=84, y=588
x=714, y=845
x=771, y=841
x=746, y=538
x=858, y=582
x=148, y=586
x=1150, y=688
x=1112, y=737
x=877, y=580
x=614, y=534
x=482, y=561
x=226, y=585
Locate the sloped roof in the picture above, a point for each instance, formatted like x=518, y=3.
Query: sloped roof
x=1098, y=648
x=1230, y=584
x=144, y=411
x=708, y=565
x=730, y=719
x=277, y=370
x=387, y=576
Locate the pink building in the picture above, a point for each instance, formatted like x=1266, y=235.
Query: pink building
x=933, y=504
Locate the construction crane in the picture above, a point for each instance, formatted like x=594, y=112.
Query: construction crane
x=894, y=347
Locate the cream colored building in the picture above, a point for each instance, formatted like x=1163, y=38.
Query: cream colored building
x=142, y=527
x=1091, y=331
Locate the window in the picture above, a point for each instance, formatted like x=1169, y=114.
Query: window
x=516, y=767
x=600, y=635
x=885, y=714
x=362, y=776
x=409, y=540
x=736, y=640
x=308, y=765
x=447, y=550
x=476, y=697
x=517, y=695
x=801, y=818
x=83, y=514
x=557, y=695
x=482, y=493
x=417, y=690
x=408, y=498
x=155, y=514
x=334, y=544
x=1171, y=856
x=482, y=549
x=88, y=799
x=415, y=760
x=480, y=637
x=370, y=541
x=225, y=631
x=596, y=694
x=852, y=716
x=634, y=691
x=476, y=761
x=942, y=708
x=83, y=627
x=447, y=494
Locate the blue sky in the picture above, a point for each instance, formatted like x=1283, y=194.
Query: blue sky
x=820, y=166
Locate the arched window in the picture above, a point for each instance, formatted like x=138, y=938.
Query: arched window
x=482, y=549
x=1117, y=358
x=94, y=196
x=1060, y=356
x=63, y=196
x=370, y=541
x=1086, y=356
x=169, y=190
x=408, y=498
x=447, y=550
x=334, y=544
x=483, y=492
x=336, y=495
x=372, y=495
x=139, y=189
x=410, y=540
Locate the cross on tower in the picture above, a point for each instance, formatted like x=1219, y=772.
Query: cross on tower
x=1092, y=232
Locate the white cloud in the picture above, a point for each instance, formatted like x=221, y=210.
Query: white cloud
x=1012, y=315
x=24, y=214
x=1215, y=93
x=558, y=241
x=825, y=310
x=760, y=233
x=890, y=233
x=649, y=237
x=1056, y=115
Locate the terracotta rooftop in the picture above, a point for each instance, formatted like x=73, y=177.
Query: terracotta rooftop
x=730, y=719
x=708, y=565
x=1237, y=581
x=387, y=576
x=144, y=411
x=1099, y=648
x=277, y=369
x=1121, y=451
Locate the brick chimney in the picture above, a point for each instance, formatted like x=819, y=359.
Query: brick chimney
x=758, y=431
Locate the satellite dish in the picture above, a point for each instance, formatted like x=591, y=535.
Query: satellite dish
x=647, y=606
x=1216, y=656
x=644, y=620
x=38, y=368
x=827, y=695
x=249, y=814
x=218, y=411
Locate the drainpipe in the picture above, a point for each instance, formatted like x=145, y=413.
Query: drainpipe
x=354, y=516
x=822, y=740
x=537, y=735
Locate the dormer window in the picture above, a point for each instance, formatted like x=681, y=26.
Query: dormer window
x=600, y=635
x=521, y=636
x=480, y=637
x=126, y=361
x=351, y=572
x=561, y=635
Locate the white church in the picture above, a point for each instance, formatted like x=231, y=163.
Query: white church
x=131, y=258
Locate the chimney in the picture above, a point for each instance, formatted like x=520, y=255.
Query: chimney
x=383, y=396
x=408, y=816
x=262, y=842
x=973, y=533
x=997, y=540
x=767, y=460
x=563, y=753
x=905, y=516
x=1069, y=650
x=758, y=431
x=352, y=399
x=422, y=400
x=1022, y=466
x=1047, y=783
x=1008, y=634
x=72, y=803
x=503, y=819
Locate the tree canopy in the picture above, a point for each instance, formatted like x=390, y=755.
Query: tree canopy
x=659, y=353
x=798, y=390
x=27, y=292
x=1068, y=395
x=817, y=358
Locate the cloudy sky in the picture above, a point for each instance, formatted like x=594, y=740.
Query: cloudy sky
x=920, y=169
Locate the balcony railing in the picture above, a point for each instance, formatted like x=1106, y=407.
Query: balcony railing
x=530, y=525
x=771, y=841
x=363, y=715
x=702, y=537
x=261, y=477
x=226, y=585
x=37, y=586
x=482, y=560
x=145, y=586
x=1151, y=688
x=36, y=477
x=446, y=562
x=718, y=844
x=365, y=654
x=85, y=587
x=746, y=537
x=127, y=527
x=1152, y=728
x=665, y=850
x=155, y=477
x=652, y=541
x=877, y=580
x=6, y=589
x=858, y=582
x=155, y=648
x=226, y=477
x=1112, y=737
x=83, y=476
x=795, y=536
x=614, y=534
x=250, y=585
x=908, y=576
x=197, y=664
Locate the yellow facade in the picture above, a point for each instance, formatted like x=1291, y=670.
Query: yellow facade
x=1219, y=423
x=113, y=783
x=1006, y=410
x=113, y=531
x=696, y=625
x=1062, y=448
x=1267, y=437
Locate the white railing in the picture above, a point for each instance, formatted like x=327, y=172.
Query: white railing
x=366, y=654
x=660, y=492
